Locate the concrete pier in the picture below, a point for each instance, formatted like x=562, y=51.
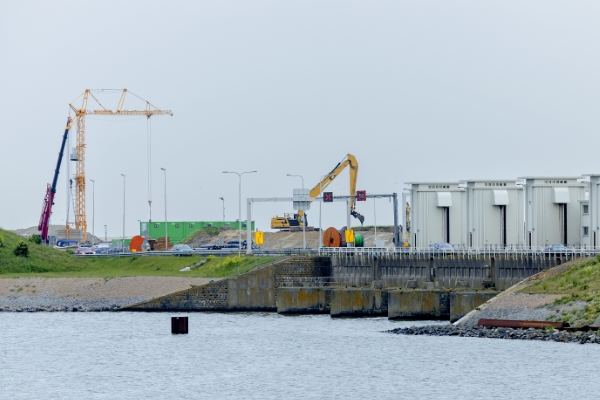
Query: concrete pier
x=355, y=302
x=303, y=300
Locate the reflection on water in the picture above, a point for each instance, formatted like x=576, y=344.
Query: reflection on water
x=269, y=356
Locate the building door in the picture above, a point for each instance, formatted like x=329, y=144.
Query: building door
x=562, y=215
x=446, y=224
x=503, y=225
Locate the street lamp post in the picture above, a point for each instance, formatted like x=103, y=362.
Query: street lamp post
x=93, y=210
x=239, y=174
x=105, y=237
x=303, y=212
x=166, y=224
x=375, y=218
x=123, y=241
x=320, y=205
x=223, y=210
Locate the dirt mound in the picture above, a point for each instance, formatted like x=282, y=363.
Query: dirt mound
x=282, y=240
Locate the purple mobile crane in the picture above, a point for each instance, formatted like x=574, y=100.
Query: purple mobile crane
x=51, y=190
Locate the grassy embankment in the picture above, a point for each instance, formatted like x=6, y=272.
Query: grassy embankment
x=51, y=263
x=580, y=285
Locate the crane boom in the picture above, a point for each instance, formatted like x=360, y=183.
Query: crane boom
x=51, y=190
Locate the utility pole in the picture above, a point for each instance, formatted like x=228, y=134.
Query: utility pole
x=166, y=224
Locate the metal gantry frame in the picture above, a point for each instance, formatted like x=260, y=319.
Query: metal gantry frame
x=251, y=200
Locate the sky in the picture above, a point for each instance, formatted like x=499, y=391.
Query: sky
x=417, y=91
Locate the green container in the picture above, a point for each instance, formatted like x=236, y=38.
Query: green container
x=179, y=231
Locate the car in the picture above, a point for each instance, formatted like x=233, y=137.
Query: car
x=210, y=247
x=441, y=247
x=182, y=249
x=558, y=248
x=84, y=250
x=64, y=244
x=107, y=250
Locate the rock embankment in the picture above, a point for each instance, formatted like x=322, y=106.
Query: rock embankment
x=87, y=294
x=502, y=333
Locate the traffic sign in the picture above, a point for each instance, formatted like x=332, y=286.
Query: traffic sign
x=328, y=197
x=361, y=195
x=259, y=237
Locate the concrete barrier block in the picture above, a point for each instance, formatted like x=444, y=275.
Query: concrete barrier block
x=418, y=304
x=356, y=302
x=302, y=300
x=461, y=303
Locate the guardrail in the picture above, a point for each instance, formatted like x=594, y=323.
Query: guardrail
x=569, y=252
x=204, y=252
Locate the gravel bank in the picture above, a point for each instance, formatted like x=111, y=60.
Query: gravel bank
x=87, y=294
x=522, y=306
x=501, y=333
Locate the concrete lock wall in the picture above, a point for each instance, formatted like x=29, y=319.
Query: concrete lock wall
x=358, y=302
x=418, y=304
x=461, y=272
x=305, y=300
x=445, y=272
x=510, y=271
x=253, y=291
x=462, y=303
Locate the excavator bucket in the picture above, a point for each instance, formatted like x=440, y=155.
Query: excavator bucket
x=358, y=216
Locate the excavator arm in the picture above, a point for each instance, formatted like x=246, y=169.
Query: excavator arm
x=348, y=161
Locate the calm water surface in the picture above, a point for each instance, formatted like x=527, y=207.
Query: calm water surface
x=269, y=356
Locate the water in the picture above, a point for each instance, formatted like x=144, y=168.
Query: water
x=269, y=356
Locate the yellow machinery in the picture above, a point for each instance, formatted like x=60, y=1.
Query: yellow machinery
x=80, y=114
x=297, y=219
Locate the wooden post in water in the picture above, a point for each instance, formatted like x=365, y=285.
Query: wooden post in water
x=179, y=325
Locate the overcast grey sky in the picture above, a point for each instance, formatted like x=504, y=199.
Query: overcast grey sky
x=417, y=91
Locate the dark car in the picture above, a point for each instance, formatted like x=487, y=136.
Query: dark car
x=66, y=244
x=210, y=247
x=234, y=244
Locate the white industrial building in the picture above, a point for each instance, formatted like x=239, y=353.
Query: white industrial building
x=554, y=210
x=437, y=213
x=590, y=213
x=495, y=214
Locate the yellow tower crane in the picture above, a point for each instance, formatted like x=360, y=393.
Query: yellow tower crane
x=80, y=113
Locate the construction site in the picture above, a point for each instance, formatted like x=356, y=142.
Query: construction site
x=290, y=230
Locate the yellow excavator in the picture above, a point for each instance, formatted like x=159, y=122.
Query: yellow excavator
x=294, y=220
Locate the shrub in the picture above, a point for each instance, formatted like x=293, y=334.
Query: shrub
x=1, y=240
x=210, y=257
x=69, y=251
x=37, y=239
x=22, y=249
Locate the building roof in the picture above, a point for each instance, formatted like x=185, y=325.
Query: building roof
x=551, y=177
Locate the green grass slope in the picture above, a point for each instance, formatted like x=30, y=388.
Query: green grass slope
x=580, y=285
x=50, y=263
x=41, y=258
